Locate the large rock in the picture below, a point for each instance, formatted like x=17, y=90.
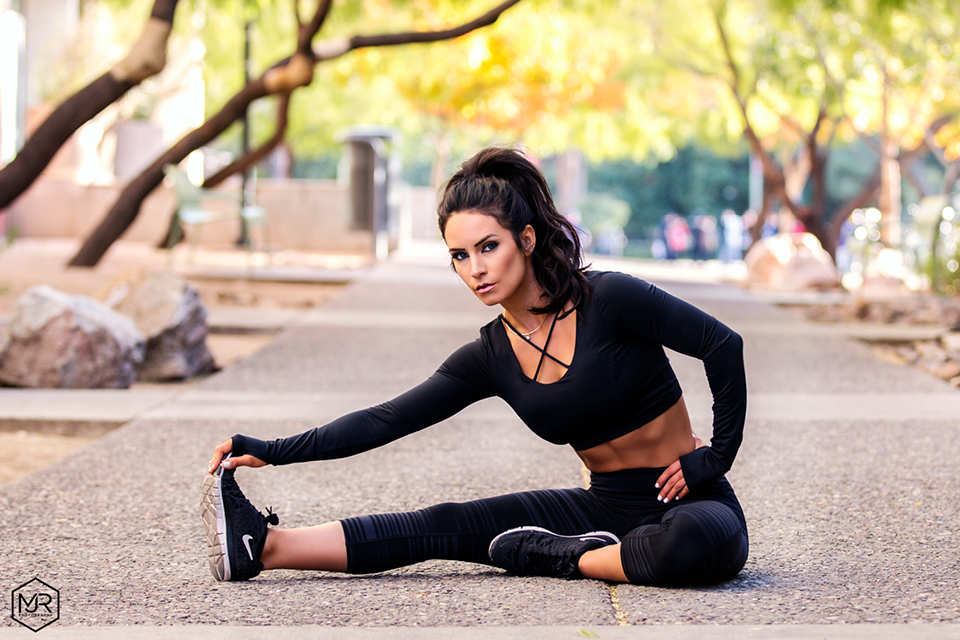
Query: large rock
x=951, y=343
x=71, y=342
x=169, y=312
x=791, y=262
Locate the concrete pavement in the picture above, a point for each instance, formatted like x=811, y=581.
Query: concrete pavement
x=673, y=632
x=847, y=477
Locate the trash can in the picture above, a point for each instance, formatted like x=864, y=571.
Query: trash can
x=373, y=174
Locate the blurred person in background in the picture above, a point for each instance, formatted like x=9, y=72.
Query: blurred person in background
x=732, y=247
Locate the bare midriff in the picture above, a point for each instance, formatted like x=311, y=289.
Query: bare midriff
x=659, y=443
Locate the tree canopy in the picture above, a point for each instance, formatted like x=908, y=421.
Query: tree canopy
x=791, y=81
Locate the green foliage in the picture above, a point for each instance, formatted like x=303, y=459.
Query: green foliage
x=7, y=240
x=696, y=180
x=626, y=82
x=601, y=211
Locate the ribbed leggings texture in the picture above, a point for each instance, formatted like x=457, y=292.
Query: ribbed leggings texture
x=700, y=539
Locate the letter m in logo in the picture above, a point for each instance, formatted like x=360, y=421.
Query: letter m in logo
x=35, y=604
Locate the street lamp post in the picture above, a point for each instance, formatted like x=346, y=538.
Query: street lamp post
x=245, y=183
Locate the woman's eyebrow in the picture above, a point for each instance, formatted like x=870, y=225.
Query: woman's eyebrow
x=487, y=237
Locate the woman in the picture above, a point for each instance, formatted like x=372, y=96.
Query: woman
x=579, y=356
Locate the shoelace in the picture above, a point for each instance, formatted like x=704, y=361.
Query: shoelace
x=271, y=517
x=549, y=556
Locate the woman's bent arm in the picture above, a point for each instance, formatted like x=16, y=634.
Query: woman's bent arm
x=652, y=314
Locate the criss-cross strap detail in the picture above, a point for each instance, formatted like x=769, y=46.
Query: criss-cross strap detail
x=543, y=351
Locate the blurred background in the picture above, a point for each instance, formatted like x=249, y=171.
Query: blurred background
x=666, y=131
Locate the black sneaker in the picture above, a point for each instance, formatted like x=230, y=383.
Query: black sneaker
x=532, y=551
x=235, y=529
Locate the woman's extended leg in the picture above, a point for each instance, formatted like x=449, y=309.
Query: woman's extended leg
x=463, y=531
x=320, y=548
x=456, y=531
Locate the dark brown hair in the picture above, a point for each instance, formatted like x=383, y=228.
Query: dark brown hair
x=504, y=184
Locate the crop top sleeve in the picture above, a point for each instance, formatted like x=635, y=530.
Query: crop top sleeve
x=460, y=381
x=649, y=313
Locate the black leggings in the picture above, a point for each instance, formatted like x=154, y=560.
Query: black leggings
x=700, y=539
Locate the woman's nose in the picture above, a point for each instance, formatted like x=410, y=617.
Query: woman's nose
x=477, y=267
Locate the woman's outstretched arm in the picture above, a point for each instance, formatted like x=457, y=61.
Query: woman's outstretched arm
x=459, y=382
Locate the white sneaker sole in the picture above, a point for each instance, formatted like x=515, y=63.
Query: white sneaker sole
x=602, y=536
x=215, y=526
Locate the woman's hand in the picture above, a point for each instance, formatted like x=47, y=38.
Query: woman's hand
x=671, y=483
x=242, y=461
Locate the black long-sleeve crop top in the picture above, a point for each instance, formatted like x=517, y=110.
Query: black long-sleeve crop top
x=619, y=380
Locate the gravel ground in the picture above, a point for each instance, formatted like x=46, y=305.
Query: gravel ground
x=850, y=521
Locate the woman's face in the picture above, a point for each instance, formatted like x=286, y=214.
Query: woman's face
x=487, y=258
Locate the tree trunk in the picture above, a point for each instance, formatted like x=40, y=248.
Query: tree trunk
x=889, y=198
x=871, y=188
x=251, y=158
x=147, y=57
x=441, y=160
x=127, y=206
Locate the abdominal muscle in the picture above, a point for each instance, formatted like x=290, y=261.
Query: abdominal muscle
x=659, y=443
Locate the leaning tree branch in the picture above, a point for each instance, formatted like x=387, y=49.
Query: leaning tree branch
x=239, y=165
x=296, y=14
x=871, y=188
x=306, y=33
x=251, y=158
x=284, y=77
x=772, y=174
x=146, y=58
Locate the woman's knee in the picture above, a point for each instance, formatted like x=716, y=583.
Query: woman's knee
x=697, y=543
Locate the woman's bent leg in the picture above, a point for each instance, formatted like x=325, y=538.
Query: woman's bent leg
x=319, y=548
x=696, y=543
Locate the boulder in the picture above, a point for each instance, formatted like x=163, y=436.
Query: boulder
x=947, y=370
x=951, y=343
x=930, y=355
x=69, y=342
x=886, y=274
x=791, y=262
x=169, y=312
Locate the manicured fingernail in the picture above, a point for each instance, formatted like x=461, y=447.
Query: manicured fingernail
x=659, y=498
x=656, y=485
x=226, y=464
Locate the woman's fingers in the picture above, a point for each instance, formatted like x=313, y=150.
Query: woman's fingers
x=243, y=461
x=671, y=483
x=231, y=463
x=678, y=490
x=218, y=452
x=667, y=474
x=668, y=480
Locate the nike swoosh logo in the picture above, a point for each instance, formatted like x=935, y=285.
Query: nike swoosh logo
x=246, y=542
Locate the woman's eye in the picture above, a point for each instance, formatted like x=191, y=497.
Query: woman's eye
x=457, y=257
x=490, y=246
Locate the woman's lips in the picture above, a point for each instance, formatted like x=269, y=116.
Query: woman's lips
x=484, y=288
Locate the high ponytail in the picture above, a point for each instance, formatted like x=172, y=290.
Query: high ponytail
x=504, y=184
